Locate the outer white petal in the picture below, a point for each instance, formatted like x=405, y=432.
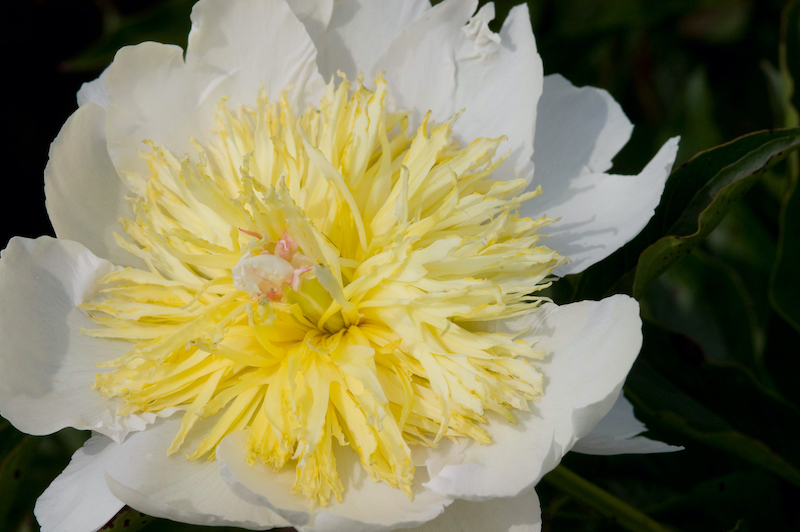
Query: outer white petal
x=234, y=47
x=420, y=62
x=315, y=16
x=617, y=433
x=94, y=92
x=500, y=90
x=506, y=514
x=78, y=500
x=578, y=132
x=47, y=365
x=142, y=476
x=360, y=31
x=437, y=64
x=602, y=212
x=367, y=506
x=255, y=42
x=154, y=96
x=85, y=197
x=591, y=347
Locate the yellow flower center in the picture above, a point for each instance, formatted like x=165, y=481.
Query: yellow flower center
x=317, y=280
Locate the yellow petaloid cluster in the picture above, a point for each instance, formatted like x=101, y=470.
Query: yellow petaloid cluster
x=409, y=242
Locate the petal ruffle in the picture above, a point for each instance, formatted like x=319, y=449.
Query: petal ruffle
x=506, y=514
x=591, y=347
x=85, y=197
x=48, y=365
x=441, y=63
x=578, y=132
x=360, y=31
x=254, y=42
x=420, y=63
x=499, y=90
x=618, y=433
x=94, y=92
x=367, y=507
x=142, y=476
x=78, y=499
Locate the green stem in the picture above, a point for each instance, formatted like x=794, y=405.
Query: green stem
x=600, y=500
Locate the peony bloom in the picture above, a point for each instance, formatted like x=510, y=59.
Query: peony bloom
x=310, y=297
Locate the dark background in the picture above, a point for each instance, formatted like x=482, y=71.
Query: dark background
x=705, y=70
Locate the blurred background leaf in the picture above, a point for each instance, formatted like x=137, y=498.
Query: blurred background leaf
x=166, y=22
x=16, y=453
x=784, y=288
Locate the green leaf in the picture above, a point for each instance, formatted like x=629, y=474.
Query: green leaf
x=784, y=289
x=16, y=453
x=751, y=495
x=669, y=406
x=724, y=438
x=784, y=285
x=707, y=300
x=741, y=526
x=698, y=131
x=128, y=520
x=776, y=88
x=166, y=22
x=743, y=240
x=697, y=196
x=718, y=23
x=727, y=172
x=789, y=52
x=586, y=17
x=625, y=515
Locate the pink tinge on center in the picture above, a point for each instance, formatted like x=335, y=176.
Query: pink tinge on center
x=263, y=273
x=286, y=247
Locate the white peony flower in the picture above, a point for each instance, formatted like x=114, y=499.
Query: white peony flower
x=324, y=312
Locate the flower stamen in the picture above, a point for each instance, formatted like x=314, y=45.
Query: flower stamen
x=316, y=280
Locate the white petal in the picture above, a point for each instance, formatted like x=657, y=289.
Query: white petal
x=506, y=514
x=591, y=347
x=47, y=365
x=234, y=47
x=85, y=197
x=367, y=506
x=78, y=500
x=144, y=477
x=360, y=31
x=602, y=212
x=315, y=16
x=617, y=433
x=440, y=63
x=499, y=91
x=420, y=63
x=254, y=42
x=154, y=96
x=94, y=92
x=578, y=132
